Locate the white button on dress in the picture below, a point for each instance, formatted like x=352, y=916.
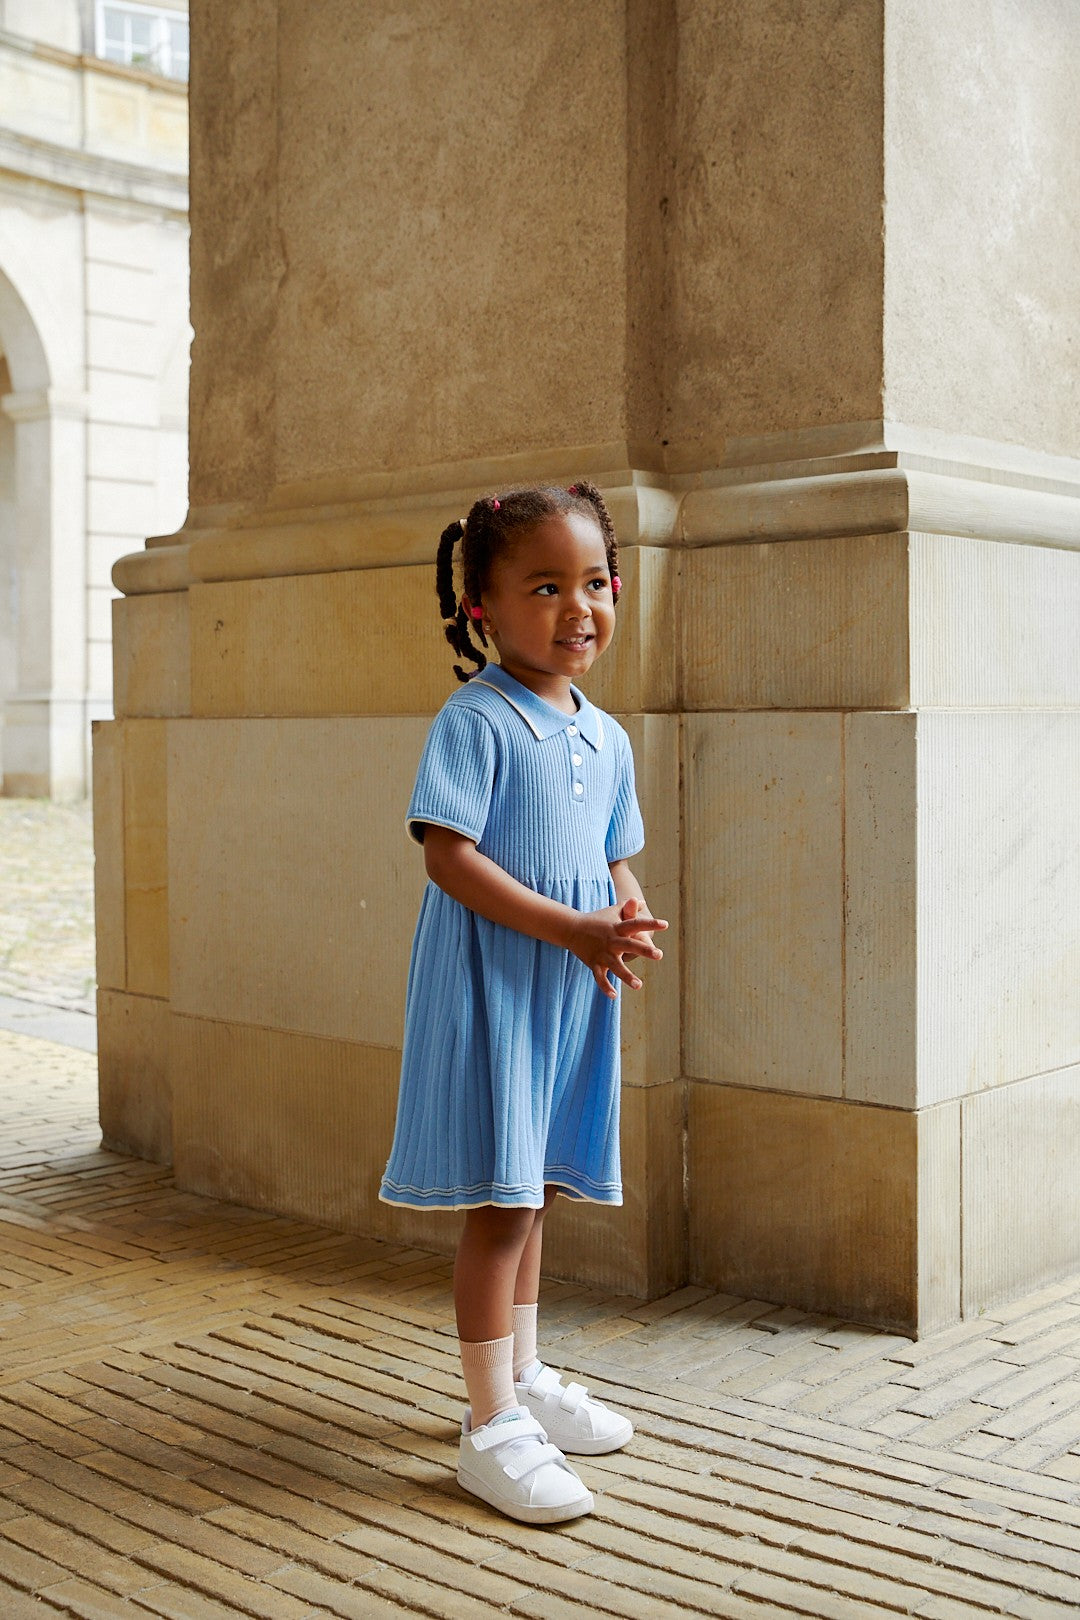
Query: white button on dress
x=576, y=759
x=578, y=788
x=571, y=731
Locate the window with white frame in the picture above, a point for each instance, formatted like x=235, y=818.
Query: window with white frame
x=149, y=37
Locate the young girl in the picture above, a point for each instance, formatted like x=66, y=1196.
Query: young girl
x=525, y=805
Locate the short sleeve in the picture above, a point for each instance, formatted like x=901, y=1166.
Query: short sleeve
x=626, y=831
x=455, y=776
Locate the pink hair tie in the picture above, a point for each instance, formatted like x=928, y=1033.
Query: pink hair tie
x=495, y=502
x=616, y=583
x=572, y=490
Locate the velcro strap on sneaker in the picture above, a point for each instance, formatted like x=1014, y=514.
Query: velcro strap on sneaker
x=527, y=1464
x=547, y=1382
x=495, y=1434
x=573, y=1397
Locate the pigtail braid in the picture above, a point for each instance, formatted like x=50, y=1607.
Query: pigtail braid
x=455, y=619
x=590, y=496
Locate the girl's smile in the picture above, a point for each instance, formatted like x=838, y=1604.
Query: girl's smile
x=548, y=607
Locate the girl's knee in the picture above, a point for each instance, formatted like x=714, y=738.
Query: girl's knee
x=498, y=1228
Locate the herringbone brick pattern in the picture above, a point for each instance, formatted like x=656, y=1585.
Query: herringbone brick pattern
x=208, y=1412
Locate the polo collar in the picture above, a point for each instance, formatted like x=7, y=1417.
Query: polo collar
x=541, y=718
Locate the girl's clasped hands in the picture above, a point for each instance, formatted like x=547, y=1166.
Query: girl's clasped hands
x=604, y=940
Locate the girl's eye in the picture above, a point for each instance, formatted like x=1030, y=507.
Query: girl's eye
x=599, y=584
x=541, y=589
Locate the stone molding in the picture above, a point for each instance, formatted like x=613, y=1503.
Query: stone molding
x=39, y=404
x=90, y=173
x=823, y=487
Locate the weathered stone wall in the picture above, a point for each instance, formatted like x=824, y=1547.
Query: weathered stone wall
x=674, y=247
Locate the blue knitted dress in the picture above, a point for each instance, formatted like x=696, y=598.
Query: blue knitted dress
x=510, y=1067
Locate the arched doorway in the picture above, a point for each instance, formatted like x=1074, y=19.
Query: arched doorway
x=42, y=566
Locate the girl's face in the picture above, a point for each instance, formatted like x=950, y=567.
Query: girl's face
x=548, y=606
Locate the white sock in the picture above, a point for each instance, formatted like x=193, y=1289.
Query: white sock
x=489, y=1377
x=524, y=1340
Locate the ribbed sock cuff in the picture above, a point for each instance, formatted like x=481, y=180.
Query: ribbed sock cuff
x=524, y=1338
x=488, y=1367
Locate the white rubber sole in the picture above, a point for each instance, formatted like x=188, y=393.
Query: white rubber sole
x=525, y=1512
x=595, y=1448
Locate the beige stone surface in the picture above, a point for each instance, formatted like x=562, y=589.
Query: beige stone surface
x=368, y=641
x=151, y=655
x=806, y=1200
x=651, y=1037
x=484, y=311
x=763, y=907
x=237, y=249
x=146, y=875
x=1021, y=1204
x=795, y=624
x=772, y=324
x=134, y=1080
x=940, y=1215
x=341, y=642
x=999, y=876
x=638, y=1247
x=110, y=908
x=303, y=1125
x=993, y=625
x=880, y=829
x=294, y=892
x=283, y=1121
x=980, y=311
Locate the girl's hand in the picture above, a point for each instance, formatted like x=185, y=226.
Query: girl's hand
x=603, y=940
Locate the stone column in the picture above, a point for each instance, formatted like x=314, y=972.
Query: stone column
x=643, y=244
x=44, y=752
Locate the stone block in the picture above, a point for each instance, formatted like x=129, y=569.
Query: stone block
x=998, y=897
x=809, y=1201
x=940, y=1216
x=289, y=1122
x=1021, y=1203
x=650, y=1016
x=107, y=742
x=795, y=624
x=763, y=900
x=880, y=851
x=321, y=644
x=151, y=653
x=146, y=899
x=293, y=887
x=134, y=1083
x=337, y=643
x=993, y=625
x=638, y=1247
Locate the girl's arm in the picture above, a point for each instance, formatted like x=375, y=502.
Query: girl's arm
x=600, y=939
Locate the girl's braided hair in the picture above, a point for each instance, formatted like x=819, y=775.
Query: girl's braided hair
x=490, y=523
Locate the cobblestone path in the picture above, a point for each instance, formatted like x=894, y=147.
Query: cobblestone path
x=208, y=1412
x=47, y=902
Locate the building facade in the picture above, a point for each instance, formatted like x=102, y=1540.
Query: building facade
x=796, y=286
x=94, y=353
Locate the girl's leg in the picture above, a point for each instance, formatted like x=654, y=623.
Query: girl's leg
x=527, y=1289
x=485, y=1275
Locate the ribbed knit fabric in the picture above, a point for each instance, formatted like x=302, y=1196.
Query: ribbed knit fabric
x=524, y=1337
x=510, y=1068
x=489, y=1377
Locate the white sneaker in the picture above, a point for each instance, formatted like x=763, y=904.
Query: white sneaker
x=571, y=1418
x=509, y=1464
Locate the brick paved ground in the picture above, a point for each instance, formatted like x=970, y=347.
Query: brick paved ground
x=47, y=902
x=207, y=1412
